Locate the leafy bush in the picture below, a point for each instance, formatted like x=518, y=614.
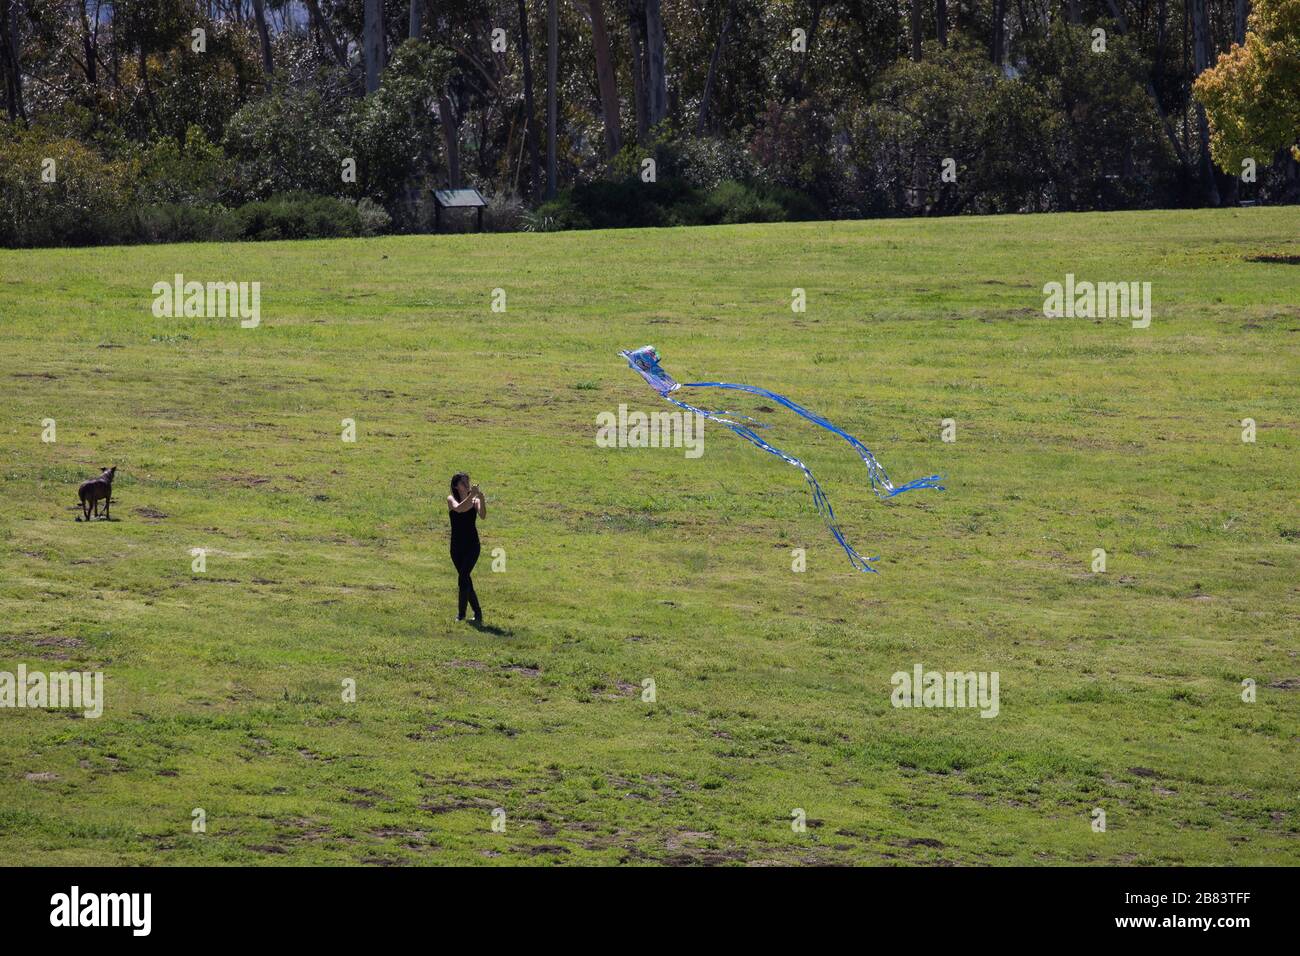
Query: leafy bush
x=182, y=222
x=391, y=132
x=557, y=214
x=503, y=214
x=375, y=220
x=707, y=163
x=289, y=141
x=617, y=204
x=194, y=172
x=734, y=202
x=298, y=216
x=630, y=202
x=86, y=204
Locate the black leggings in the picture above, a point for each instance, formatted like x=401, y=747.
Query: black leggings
x=465, y=561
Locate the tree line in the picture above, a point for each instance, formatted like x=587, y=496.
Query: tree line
x=172, y=119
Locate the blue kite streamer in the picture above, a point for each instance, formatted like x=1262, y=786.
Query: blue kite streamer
x=645, y=361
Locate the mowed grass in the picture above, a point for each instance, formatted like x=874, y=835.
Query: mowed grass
x=327, y=561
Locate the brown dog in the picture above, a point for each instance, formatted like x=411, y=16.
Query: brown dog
x=93, y=490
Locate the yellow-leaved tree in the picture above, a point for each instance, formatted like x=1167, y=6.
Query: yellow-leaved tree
x=1252, y=94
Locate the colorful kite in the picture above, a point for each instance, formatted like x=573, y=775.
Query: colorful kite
x=646, y=362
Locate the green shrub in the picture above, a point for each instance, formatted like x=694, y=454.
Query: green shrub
x=288, y=141
x=180, y=222
x=733, y=202
x=557, y=214
x=85, y=204
x=298, y=216
x=375, y=220
x=194, y=172
x=672, y=201
x=503, y=214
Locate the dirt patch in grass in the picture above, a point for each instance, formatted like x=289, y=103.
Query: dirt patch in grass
x=246, y=481
x=450, y=804
x=496, y=783
x=918, y=841
x=705, y=858
x=1277, y=259
x=312, y=755
x=525, y=669
x=683, y=838
x=45, y=640
x=547, y=849
x=365, y=798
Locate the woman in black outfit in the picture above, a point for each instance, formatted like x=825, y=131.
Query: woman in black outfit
x=465, y=505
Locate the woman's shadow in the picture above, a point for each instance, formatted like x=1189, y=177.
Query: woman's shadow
x=492, y=629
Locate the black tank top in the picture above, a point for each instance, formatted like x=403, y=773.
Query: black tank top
x=464, y=532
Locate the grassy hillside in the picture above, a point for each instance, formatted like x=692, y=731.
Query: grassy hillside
x=327, y=561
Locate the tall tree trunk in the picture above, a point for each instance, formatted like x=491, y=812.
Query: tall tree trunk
x=605, y=76
x=796, y=88
x=941, y=22
x=1072, y=14
x=552, y=79
x=12, y=59
x=1122, y=23
x=1024, y=17
x=90, y=46
x=373, y=42
x=1240, y=13
x=999, y=18
x=916, y=30
x=1203, y=53
x=636, y=40
x=143, y=60
x=702, y=123
x=1162, y=19
x=419, y=118
x=11, y=104
x=656, y=63
x=264, y=34
x=450, y=139
x=530, y=118
x=322, y=26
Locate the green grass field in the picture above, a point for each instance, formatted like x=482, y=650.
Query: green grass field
x=327, y=561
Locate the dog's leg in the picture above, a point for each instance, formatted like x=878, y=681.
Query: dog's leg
x=108, y=503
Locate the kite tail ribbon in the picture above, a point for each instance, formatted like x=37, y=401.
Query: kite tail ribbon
x=880, y=483
x=645, y=361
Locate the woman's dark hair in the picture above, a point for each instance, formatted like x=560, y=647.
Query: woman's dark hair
x=457, y=479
